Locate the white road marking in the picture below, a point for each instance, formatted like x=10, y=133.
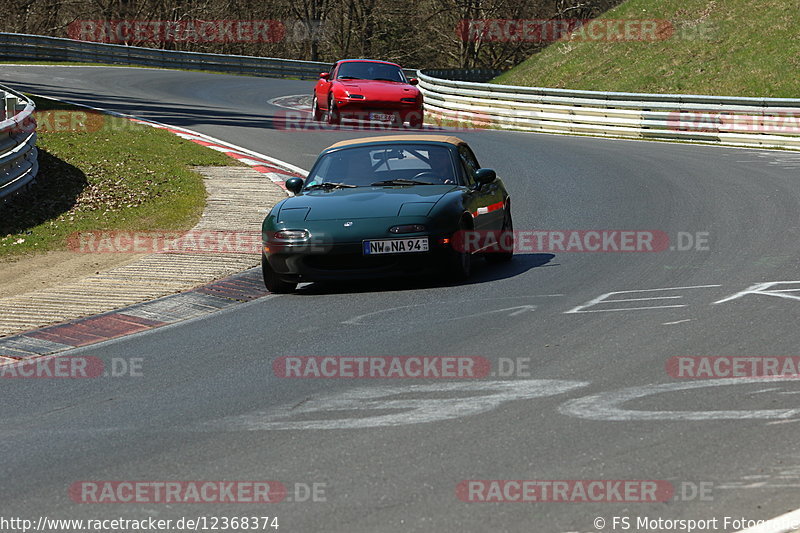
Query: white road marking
x=609, y=406
x=329, y=408
x=761, y=288
x=676, y=322
x=602, y=299
x=516, y=310
x=278, y=102
x=519, y=309
x=762, y=391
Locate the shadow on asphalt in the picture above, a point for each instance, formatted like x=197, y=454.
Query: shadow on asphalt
x=482, y=272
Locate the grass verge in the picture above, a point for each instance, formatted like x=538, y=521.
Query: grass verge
x=99, y=172
x=717, y=47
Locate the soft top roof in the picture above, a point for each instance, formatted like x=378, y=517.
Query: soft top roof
x=448, y=139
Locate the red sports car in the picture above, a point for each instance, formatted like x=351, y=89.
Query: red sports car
x=366, y=89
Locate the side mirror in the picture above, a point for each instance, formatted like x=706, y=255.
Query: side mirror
x=413, y=81
x=294, y=185
x=485, y=175
x=324, y=75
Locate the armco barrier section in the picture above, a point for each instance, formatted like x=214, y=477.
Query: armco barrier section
x=18, y=154
x=18, y=46
x=755, y=122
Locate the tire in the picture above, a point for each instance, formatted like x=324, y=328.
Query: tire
x=272, y=282
x=459, y=264
x=508, y=226
x=396, y=122
x=316, y=112
x=333, y=115
x=415, y=121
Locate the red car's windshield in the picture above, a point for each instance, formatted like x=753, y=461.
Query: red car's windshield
x=365, y=70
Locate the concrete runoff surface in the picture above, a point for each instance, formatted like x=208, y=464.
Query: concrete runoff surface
x=594, y=403
x=238, y=198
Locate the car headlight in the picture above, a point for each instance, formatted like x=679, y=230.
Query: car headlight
x=290, y=235
x=407, y=228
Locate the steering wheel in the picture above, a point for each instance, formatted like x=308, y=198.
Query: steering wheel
x=427, y=174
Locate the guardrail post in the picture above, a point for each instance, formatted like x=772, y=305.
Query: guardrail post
x=18, y=162
x=11, y=104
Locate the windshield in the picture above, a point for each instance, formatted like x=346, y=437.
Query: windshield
x=366, y=70
x=368, y=165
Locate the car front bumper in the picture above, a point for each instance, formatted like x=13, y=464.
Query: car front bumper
x=363, y=110
x=321, y=262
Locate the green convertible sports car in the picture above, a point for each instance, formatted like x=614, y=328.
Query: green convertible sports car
x=386, y=206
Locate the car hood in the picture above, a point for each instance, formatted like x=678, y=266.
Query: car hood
x=363, y=202
x=380, y=89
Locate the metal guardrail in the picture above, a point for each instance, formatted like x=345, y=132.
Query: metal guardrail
x=464, y=74
x=18, y=154
x=738, y=121
x=20, y=46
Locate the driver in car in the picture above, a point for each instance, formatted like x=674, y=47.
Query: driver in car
x=442, y=168
x=359, y=169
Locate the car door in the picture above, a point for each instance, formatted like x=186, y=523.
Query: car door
x=485, y=202
x=323, y=88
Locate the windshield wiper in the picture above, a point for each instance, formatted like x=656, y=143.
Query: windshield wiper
x=347, y=78
x=401, y=181
x=330, y=185
x=384, y=79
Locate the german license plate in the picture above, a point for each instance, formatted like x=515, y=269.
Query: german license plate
x=380, y=116
x=396, y=246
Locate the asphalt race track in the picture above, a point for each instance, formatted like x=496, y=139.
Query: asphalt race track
x=389, y=458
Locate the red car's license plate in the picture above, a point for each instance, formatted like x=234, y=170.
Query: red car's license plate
x=380, y=116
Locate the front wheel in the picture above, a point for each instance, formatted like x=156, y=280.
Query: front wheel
x=333, y=114
x=316, y=112
x=505, y=241
x=459, y=264
x=415, y=120
x=272, y=282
